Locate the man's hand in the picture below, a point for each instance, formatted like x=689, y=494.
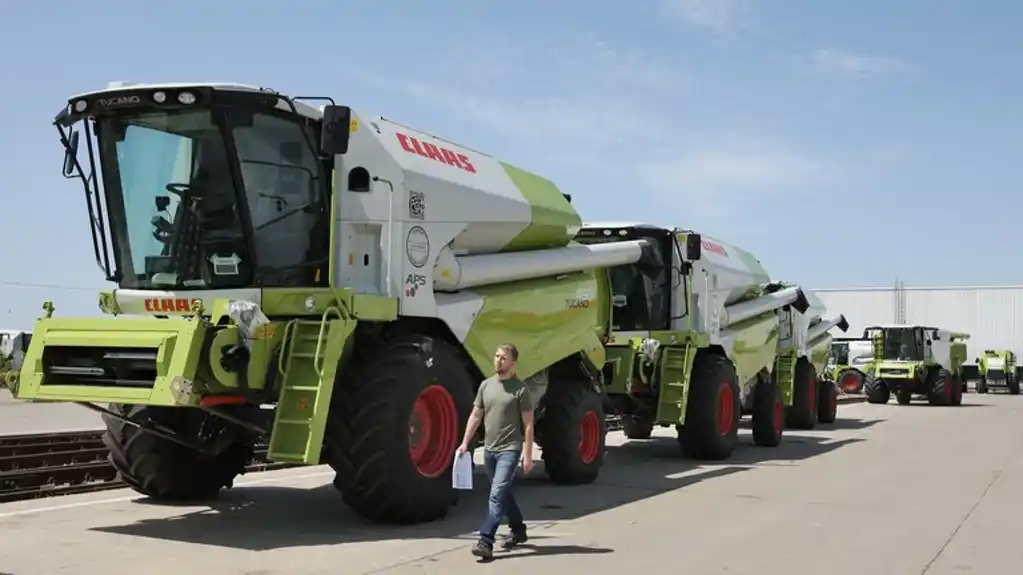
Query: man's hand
x=461, y=449
x=527, y=464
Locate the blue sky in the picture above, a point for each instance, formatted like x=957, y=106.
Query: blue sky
x=844, y=143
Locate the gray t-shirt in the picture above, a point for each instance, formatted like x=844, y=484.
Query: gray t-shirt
x=503, y=402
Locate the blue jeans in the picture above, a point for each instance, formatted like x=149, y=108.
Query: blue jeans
x=501, y=467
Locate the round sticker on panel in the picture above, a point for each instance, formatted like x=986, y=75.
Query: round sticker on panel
x=417, y=246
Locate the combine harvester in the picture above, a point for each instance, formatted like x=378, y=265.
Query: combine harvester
x=997, y=369
x=916, y=360
x=849, y=363
x=701, y=335
x=357, y=275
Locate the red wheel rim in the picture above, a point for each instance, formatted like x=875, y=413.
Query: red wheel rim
x=589, y=437
x=948, y=387
x=726, y=409
x=778, y=418
x=433, y=431
x=848, y=382
x=812, y=395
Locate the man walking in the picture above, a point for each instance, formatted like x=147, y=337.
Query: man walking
x=504, y=407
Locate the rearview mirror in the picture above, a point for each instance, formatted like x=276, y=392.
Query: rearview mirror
x=694, y=247
x=71, y=155
x=336, y=132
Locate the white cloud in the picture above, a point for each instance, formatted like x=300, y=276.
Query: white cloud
x=858, y=65
x=723, y=177
x=606, y=118
x=715, y=15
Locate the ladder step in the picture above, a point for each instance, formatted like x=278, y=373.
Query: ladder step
x=301, y=388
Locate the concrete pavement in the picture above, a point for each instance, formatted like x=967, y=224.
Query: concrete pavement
x=887, y=489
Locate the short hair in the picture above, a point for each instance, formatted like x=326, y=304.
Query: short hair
x=511, y=350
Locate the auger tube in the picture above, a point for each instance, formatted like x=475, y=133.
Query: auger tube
x=454, y=273
x=824, y=326
x=739, y=312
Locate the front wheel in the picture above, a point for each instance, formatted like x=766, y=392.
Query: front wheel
x=713, y=410
x=397, y=415
x=802, y=414
x=827, y=402
x=573, y=430
x=877, y=390
x=167, y=471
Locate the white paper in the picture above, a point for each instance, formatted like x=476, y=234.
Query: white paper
x=461, y=475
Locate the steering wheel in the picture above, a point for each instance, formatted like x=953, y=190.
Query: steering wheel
x=177, y=189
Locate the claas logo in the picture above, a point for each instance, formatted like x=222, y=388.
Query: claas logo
x=169, y=304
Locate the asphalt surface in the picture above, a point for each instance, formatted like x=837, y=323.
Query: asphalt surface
x=17, y=417
x=886, y=490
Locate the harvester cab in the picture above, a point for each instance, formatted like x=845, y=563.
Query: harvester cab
x=916, y=360
x=351, y=273
x=997, y=369
x=679, y=318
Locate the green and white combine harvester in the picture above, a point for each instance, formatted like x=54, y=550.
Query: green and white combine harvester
x=701, y=336
x=850, y=362
x=916, y=360
x=339, y=282
x=997, y=369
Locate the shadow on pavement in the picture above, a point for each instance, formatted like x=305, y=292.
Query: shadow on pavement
x=264, y=517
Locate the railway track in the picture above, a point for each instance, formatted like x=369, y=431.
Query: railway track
x=53, y=464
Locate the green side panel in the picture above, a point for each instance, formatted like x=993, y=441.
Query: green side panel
x=308, y=374
x=819, y=354
x=547, y=319
x=755, y=345
x=957, y=357
x=623, y=360
x=676, y=365
x=554, y=222
x=176, y=341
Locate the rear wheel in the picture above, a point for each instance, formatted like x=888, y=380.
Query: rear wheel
x=827, y=402
x=957, y=385
x=982, y=385
x=850, y=381
x=877, y=390
x=165, y=470
x=802, y=414
x=768, y=414
x=573, y=431
x=711, y=429
x=904, y=397
x=397, y=415
x=1013, y=385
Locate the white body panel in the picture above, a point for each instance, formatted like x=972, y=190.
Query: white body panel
x=155, y=302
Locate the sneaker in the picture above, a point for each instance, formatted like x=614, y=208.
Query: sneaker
x=483, y=550
x=513, y=540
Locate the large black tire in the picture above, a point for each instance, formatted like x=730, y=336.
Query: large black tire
x=1013, y=386
x=956, y=381
x=368, y=433
x=574, y=432
x=827, y=402
x=637, y=427
x=942, y=388
x=877, y=390
x=982, y=385
x=713, y=410
x=802, y=414
x=768, y=413
x=167, y=471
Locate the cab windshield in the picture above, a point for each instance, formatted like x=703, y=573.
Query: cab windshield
x=903, y=345
x=213, y=198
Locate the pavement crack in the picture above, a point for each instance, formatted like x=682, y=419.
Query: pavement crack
x=969, y=514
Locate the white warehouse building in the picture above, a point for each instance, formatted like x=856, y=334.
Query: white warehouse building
x=992, y=315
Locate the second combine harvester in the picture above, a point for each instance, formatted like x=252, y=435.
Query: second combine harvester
x=357, y=275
